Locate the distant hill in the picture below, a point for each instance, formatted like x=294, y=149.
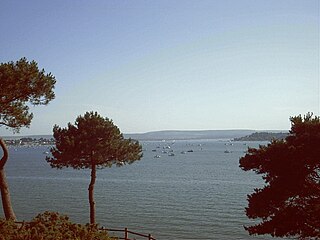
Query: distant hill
x=263, y=136
x=184, y=135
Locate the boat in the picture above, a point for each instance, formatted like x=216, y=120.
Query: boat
x=190, y=150
x=157, y=156
x=171, y=154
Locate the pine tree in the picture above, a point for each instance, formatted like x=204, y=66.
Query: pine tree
x=92, y=142
x=21, y=84
x=289, y=203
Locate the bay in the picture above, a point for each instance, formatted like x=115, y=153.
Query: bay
x=199, y=193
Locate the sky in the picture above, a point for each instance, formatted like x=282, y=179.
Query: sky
x=169, y=65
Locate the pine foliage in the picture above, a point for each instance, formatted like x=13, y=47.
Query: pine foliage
x=289, y=203
x=92, y=140
x=22, y=83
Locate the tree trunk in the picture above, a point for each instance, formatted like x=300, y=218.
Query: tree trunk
x=4, y=188
x=91, y=199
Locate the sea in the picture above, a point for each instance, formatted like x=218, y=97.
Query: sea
x=184, y=189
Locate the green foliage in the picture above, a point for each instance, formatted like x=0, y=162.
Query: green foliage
x=289, y=203
x=22, y=83
x=50, y=226
x=92, y=140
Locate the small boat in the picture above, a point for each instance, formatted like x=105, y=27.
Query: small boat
x=183, y=152
x=190, y=150
x=227, y=151
x=157, y=156
x=171, y=155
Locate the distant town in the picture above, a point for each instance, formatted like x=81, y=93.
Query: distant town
x=28, y=141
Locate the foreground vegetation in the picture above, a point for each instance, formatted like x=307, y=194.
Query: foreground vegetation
x=50, y=226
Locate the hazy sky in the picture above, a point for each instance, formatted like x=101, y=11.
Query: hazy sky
x=160, y=65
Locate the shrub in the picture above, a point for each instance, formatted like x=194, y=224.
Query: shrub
x=50, y=226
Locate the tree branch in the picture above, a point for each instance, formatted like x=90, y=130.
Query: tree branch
x=5, y=124
x=8, y=125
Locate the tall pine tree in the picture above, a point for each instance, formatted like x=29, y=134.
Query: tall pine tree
x=92, y=142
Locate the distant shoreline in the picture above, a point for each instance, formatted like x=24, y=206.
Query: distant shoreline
x=237, y=135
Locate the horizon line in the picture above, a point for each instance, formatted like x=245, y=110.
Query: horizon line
x=158, y=131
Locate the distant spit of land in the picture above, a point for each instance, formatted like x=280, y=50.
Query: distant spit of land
x=236, y=135
x=263, y=136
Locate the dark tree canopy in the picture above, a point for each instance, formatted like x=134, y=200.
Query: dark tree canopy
x=92, y=142
x=289, y=203
x=22, y=83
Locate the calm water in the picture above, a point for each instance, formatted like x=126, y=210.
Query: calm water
x=196, y=195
